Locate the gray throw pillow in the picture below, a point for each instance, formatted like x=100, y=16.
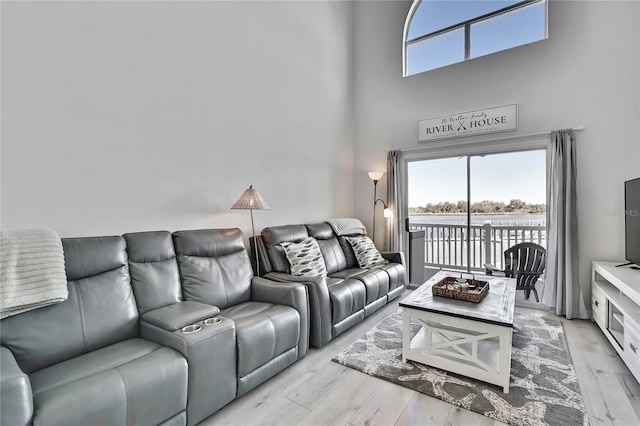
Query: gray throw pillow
x=365, y=251
x=305, y=258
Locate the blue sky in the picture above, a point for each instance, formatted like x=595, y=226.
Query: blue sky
x=495, y=177
x=522, y=26
x=434, y=15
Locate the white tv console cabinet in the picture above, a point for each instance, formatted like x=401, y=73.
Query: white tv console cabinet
x=615, y=307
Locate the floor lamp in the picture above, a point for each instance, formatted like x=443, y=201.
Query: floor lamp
x=252, y=200
x=375, y=177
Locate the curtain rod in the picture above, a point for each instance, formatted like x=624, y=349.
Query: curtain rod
x=528, y=135
x=548, y=132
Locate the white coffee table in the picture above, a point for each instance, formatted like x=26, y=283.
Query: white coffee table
x=471, y=339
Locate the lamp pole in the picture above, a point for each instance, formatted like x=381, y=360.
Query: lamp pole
x=373, y=231
x=374, y=176
x=255, y=243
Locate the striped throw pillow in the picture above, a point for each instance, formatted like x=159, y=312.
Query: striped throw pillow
x=365, y=251
x=305, y=258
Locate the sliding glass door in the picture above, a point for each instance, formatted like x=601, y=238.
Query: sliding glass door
x=475, y=207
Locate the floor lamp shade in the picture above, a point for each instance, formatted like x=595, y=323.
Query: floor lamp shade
x=250, y=200
x=375, y=175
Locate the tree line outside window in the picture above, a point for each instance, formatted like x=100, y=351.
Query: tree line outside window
x=515, y=206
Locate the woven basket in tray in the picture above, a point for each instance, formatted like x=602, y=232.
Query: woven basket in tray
x=445, y=288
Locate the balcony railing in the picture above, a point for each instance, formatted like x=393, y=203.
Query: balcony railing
x=446, y=244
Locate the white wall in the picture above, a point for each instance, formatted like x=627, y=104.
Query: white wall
x=132, y=116
x=586, y=73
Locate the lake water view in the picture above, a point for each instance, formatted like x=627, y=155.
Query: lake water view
x=479, y=219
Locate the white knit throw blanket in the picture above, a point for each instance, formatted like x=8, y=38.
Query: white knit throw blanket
x=347, y=226
x=32, y=273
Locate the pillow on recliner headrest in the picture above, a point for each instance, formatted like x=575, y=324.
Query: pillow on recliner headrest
x=305, y=258
x=365, y=251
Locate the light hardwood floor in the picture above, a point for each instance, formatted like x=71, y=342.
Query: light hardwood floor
x=317, y=391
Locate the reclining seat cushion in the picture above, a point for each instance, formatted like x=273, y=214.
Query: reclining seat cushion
x=396, y=273
x=376, y=283
x=347, y=297
x=264, y=331
x=130, y=382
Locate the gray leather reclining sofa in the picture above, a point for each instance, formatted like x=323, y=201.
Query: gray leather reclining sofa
x=117, y=351
x=348, y=294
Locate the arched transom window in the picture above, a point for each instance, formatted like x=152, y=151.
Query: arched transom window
x=443, y=32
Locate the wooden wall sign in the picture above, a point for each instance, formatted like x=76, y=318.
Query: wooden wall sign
x=489, y=120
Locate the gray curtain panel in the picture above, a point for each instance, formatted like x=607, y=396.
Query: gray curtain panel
x=393, y=231
x=562, y=290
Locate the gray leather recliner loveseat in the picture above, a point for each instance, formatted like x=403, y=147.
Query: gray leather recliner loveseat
x=348, y=293
x=158, y=328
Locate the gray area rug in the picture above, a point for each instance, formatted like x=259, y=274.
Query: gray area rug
x=543, y=389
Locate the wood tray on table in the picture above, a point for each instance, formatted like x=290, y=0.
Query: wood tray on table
x=469, y=290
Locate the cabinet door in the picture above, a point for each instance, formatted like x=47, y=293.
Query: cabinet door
x=598, y=306
x=631, y=350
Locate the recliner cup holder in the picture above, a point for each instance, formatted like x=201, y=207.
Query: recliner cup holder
x=212, y=321
x=193, y=328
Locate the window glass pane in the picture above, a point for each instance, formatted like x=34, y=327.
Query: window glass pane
x=434, y=15
x=523, y=26
x=508, y=200
x=437, y=200
x=436, y=52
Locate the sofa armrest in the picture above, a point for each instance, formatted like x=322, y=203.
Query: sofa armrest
x=174, y=317
x=210, y=351
x=16, y=400
x=491, y=270
x=394, y=256
x=286, y=293
x=319, y=305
